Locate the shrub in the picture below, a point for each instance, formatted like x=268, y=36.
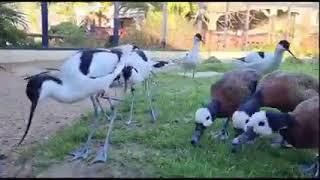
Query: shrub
x=73, y=35
x=10, y=19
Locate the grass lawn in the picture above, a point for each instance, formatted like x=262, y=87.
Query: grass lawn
x=163, y=149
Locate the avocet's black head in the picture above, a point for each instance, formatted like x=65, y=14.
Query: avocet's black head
x=127, y=73
x=285, y=44
x=135, y=47
x=286, y=47
x=33, y=90
x=199, y=37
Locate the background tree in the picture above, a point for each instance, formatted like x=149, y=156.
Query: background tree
x=10, y=20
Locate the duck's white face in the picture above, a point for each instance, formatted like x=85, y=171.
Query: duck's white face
x=239, y=119
x=259, y=122
x=203, y=117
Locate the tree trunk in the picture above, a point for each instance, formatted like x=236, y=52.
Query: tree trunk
x=293, y=26
x=200, y=16
x=164, y=25
x=44, y=15
x=288, y=23
x=246, y=28
x=116, y=23
x=226, y=19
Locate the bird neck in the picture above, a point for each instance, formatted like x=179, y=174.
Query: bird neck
x=253, y=103
x=196, y=47
x=213, y=108
x=278, y=55
x=279, y=120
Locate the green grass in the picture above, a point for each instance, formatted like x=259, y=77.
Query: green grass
x=163, y=149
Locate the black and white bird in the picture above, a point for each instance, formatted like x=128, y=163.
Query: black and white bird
x=84, y=74
x=191, y=59
x=139, y=68
x=1, y=67
x=265, y=62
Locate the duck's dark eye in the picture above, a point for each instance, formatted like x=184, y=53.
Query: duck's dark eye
x=207, y=118
x=261, y=123
x=247, y=121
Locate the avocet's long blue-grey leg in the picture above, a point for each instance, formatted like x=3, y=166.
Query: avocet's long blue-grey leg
x=84, y=151
x=101, y=108
x=150, y=102
x=193, y=69
x=103, y=151
x=131, y=108
x=223, y=134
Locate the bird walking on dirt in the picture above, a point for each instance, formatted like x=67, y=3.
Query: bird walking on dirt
x=84, y=74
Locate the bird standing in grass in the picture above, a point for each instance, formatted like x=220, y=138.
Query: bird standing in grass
x=85, y=74
x=227, y=94
x=191, y=60
x=279, y=89
x=299, y=127
x=139, y=68
x=265, y=62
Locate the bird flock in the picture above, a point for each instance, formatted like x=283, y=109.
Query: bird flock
x=237, y=96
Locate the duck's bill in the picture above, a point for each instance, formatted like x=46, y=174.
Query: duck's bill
x=197, y=133
x=244, y=138
x=292, y=54
x=203, y=41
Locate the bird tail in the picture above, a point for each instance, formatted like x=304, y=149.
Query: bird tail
x=159, y=64
x=240, y=59
x=1, y=67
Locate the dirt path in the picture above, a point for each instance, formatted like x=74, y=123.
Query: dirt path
x=50, y=116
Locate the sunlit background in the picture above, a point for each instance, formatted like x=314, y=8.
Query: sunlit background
x=250, y=25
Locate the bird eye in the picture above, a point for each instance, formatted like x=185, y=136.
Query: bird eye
x=247, y=121
x=261, y=123
x=207, y=117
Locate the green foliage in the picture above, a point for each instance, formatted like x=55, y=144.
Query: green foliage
x=182, y=8
x=10, y=19
x=73, y=35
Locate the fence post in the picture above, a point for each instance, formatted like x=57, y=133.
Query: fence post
x=44, y=16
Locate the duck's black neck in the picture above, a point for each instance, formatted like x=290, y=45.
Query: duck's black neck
x=213, y=107
x=278, y=120
x=253, y=103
